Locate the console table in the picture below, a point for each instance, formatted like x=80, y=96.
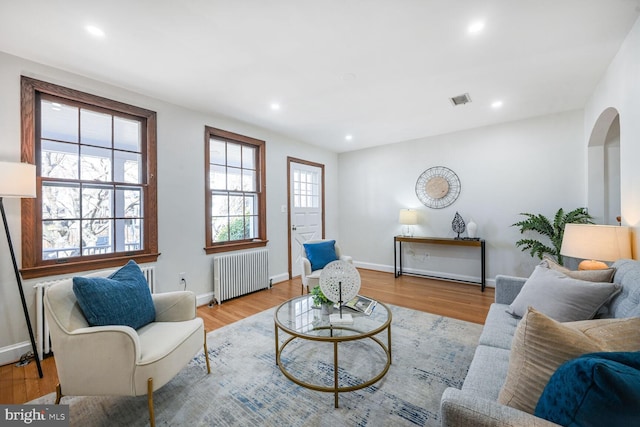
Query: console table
x=397, y=253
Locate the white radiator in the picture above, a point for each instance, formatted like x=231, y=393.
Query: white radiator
x=43, y=343
x=239, y=274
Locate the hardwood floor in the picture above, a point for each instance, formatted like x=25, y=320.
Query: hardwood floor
x=460, y=301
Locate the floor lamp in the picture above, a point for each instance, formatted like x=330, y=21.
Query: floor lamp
x=18, y=180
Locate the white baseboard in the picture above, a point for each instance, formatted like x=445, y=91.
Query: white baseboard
x=490, y=283
x=204, y=299
x=283, y=277
x=12, y=353
x=376, y=267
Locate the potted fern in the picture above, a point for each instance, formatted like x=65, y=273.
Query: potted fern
x=320, y=300
x=553, y=230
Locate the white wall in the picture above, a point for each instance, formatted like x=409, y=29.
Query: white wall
x=619, y=88
x=180, y=190
x=535, y=165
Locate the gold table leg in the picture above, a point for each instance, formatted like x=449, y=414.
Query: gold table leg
x=335, y=372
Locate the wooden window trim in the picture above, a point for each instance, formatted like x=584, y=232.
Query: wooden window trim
x=32, y=264
x=261, y=241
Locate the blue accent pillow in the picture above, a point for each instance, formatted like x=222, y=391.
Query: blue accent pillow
x=123, y=298
x=320, y=253
x=596, y=389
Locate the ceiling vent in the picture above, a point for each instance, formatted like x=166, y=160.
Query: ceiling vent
x=460, y=99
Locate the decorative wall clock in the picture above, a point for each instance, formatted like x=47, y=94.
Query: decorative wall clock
x=438, y=187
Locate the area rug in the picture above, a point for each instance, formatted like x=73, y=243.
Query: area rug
x=246, y=388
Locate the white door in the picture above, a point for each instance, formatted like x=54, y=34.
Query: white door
x=306, y=218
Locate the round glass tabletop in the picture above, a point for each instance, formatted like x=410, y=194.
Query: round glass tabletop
x=299, y=317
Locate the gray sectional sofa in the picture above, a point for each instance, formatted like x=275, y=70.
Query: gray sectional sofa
x=476, y=404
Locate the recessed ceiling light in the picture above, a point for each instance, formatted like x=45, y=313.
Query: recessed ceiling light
x=460, y=99
x=94, y=31
x=475, y=27
x=496, y=104
x=348, y=137
x=275, y=106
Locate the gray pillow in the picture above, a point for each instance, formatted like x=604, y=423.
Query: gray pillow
x=561, y=297
x=604, y=275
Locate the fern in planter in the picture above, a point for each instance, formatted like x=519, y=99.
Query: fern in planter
x=318, y=297
x=554, y=231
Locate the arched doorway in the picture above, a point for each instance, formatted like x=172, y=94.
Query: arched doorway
x=604, y=201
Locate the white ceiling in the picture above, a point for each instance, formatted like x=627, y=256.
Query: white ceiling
x=380, y=70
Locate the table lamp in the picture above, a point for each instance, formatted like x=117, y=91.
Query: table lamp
x=18, y=180
x=408, y=217
x=596, y=243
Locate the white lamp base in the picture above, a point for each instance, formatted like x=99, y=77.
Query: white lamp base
x=335, y=319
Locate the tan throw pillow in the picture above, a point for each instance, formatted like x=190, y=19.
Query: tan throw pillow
x=540, y=345
x=605, y=275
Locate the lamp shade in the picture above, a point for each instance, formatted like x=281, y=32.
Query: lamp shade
x=17, y=180
x=596, y=242
x=408, y=217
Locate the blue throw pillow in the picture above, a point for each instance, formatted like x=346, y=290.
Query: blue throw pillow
x=597, y=389
x=123, y=298
x=320, y=253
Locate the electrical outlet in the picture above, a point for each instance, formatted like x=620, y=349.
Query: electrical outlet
x=182, y=280
x=426, y=256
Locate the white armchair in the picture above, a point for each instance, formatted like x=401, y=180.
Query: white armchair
x=119, y=360
x=311, y=278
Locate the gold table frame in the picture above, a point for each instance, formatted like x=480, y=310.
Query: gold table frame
x=335, y=340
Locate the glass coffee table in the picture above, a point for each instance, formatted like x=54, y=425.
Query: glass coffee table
x=298, y=319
